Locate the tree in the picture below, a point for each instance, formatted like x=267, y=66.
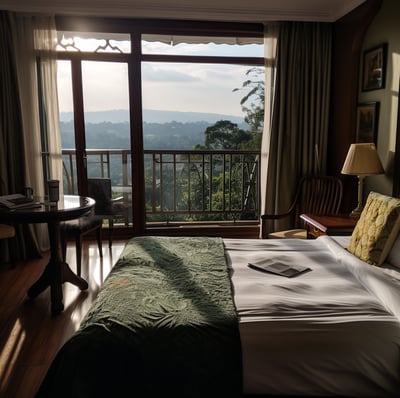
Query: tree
x=225, y=135
x=254, y=100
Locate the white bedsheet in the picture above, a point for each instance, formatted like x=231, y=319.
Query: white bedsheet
x=331, y=331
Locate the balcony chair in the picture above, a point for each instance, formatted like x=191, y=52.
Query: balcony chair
x=318, y=195
x=8, y=232
x=100, y=190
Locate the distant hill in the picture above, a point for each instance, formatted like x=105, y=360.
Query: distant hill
x=153, y=116
x=161, y=129
x=106, y=135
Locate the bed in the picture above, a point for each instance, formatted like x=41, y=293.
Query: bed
x=187, y=317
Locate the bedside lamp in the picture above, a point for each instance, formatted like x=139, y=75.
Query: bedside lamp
x=362, y=160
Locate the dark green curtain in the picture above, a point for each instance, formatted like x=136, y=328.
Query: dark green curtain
x=299, y=126
x=12, y=163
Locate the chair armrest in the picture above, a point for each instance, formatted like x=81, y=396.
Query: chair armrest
x=291, y=211
x=276, y=216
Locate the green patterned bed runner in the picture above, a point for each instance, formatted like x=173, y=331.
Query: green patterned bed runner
x=163, y=323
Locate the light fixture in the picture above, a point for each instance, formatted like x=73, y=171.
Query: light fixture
x=362, y=160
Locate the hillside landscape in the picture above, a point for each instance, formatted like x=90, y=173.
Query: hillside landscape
x=161, y=129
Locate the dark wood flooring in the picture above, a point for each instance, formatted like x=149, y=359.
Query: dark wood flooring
x=29, y=335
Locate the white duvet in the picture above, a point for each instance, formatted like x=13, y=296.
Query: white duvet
x=332, y=331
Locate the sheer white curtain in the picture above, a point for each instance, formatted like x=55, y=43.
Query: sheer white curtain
x=271, y=31
x=35, y=36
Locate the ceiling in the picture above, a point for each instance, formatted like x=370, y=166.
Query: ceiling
x=216, y=10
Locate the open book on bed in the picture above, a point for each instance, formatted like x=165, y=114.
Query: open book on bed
x=279, y=268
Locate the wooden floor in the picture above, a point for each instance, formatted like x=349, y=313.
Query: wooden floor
x=29, y=335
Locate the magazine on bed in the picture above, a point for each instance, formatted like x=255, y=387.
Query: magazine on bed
x=279, y=268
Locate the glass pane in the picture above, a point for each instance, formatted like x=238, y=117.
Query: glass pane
x=107, y=125
x=207, y=46
x=192, y=175
x=65, y=101
x=187, y=92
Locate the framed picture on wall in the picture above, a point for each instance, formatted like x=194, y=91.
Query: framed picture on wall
x=367, y=122
x=374, y=68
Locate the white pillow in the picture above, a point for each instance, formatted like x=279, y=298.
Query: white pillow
x=393, y=257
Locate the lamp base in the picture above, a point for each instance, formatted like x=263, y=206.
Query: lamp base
x=356, y=213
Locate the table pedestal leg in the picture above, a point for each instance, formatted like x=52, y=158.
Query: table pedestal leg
x=56, y=273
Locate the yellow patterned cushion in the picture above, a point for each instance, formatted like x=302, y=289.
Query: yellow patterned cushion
x=377, y=229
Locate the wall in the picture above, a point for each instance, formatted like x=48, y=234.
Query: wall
x=348, y=38
x=385, y=27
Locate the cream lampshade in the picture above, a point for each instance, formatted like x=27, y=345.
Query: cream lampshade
x=362, y=160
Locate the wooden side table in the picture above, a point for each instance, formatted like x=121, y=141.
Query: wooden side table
x=328, y=225
x=57, y=271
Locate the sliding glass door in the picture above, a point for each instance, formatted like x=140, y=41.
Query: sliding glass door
x=135, y=107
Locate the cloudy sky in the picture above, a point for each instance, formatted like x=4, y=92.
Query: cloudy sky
x=166, y=86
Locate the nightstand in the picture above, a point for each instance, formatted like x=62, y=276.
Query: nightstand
x=328, y=225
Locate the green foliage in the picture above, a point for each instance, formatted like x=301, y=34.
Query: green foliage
x=225, y=135
x=254, y=100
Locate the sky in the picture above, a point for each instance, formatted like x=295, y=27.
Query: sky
x=165, y=86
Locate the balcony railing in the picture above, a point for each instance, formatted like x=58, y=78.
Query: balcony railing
x=180, y=185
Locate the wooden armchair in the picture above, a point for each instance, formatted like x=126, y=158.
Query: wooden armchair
x=318, y=195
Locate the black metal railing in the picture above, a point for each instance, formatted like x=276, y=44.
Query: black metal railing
x=180, y=185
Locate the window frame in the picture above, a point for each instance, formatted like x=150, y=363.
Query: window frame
x=136, y=28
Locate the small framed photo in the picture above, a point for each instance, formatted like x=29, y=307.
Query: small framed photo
x=374, y=68
x=367, y=122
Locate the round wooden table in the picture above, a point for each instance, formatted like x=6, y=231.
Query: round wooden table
x=57, y=271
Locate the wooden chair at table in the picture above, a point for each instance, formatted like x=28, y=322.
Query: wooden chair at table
x=106, y=206
x=76, y=230
x=318, y=195
x=100, y=190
